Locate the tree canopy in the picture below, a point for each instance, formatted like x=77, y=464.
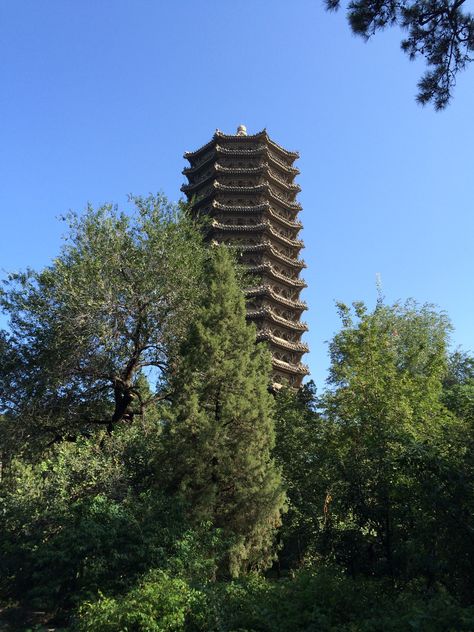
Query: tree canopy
x=440, y=31
x=84, y=331
x=203, y=502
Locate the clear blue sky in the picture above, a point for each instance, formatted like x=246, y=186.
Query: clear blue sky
x=100, y=98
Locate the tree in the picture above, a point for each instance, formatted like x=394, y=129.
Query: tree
x=83, y=332
x=221, y=432
x=459, y=386
x=441, y=31
x=299, y=452
x=394, y=469
x=91, y=516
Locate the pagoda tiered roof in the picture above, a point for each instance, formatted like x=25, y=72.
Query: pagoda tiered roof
x=269, y=314
x=262, y=150
x=243, y=139
x=266, y=290
x=263, y=187
x=258, y=190
x=262, y=169
x=273, y=273
x=266, y=247
x=264, y=227
x=299, y=369
x=267, y=334
x=245, y=184
x=264, y=206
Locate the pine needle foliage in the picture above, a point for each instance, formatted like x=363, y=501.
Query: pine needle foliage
x=439, y=31
x=221, y=434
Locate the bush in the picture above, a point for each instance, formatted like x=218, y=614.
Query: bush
x=158, y=604
x=82, y=520
x=325, y=601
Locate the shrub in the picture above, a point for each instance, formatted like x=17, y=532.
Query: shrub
x=79, y=521
x=158, y=603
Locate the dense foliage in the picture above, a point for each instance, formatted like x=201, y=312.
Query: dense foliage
x=221, y=433
x=389, y=469
x=324, y=601
x=87, y=518
x=116, y=302
x=207, y=503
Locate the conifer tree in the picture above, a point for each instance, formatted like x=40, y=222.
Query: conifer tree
x=222, y=432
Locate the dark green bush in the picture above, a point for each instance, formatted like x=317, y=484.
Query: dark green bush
x=324, y=601
x=82, y=520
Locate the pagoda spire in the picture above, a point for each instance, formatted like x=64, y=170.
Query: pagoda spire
x=245, y=183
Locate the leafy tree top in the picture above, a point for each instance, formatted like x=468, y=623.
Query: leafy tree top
x=114, y=304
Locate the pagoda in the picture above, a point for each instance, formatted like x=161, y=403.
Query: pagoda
x=245, y=184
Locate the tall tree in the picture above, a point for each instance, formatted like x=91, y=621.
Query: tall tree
x=221, y=433
x=441, y=31
x=394, y=449
x=114, y=304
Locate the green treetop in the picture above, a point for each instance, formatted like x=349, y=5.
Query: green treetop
x=391, y=443
x=114, y=304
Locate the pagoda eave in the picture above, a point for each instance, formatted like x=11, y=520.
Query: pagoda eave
x=297, y=369
x=299, y=347
x=263, y=135
x=262, y=227
x=257, y=151
x=266, y=291
x=269, y=270
x=267, y=248
x=264, y=206
x=286, y=204
x=266, y=313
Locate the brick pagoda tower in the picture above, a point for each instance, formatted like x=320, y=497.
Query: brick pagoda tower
x=245, y=184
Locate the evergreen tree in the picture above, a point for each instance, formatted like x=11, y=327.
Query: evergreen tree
x=221, y=434
x=440, y=31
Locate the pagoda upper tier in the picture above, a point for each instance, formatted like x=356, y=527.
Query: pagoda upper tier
x=245, y=184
